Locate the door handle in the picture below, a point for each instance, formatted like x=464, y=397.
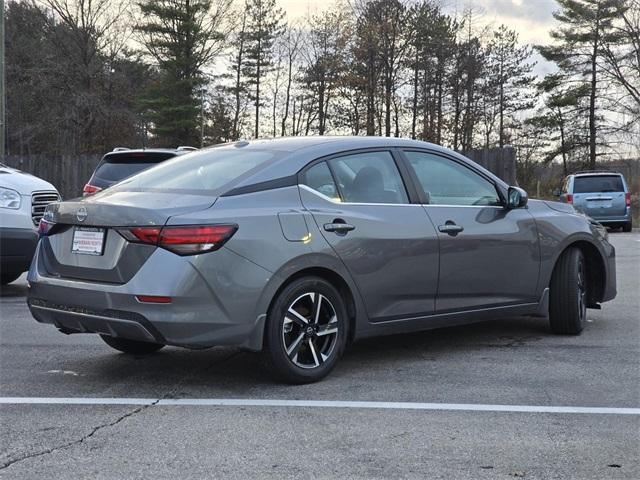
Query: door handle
x=451, y=228
x=341, y=228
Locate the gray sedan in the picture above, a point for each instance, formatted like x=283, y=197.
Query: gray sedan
x=296, y=247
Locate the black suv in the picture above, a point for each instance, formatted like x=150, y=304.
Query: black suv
x=123, y=162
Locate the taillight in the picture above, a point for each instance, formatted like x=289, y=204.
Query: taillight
x=90, y=190
x=183, y=240
x=569, y=198
x=44, y=227
x=627, y=198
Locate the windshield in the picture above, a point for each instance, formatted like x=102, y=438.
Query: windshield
x=204, y=171
x=600, y=183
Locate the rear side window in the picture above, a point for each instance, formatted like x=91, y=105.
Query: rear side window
x=600, y=183
x=203, y=171
x=320, y=179
x=118, y=167
x=370, y=177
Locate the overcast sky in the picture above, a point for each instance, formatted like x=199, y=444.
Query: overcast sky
x=530, y=18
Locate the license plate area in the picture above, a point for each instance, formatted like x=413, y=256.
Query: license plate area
x=88, y=240
x=599, y=203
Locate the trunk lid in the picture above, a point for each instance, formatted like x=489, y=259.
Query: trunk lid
x=127, y=208
x=120, y=259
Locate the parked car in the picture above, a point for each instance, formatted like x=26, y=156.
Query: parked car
x=23, y=199
x=604, y=196
x=123, y=162
x=296, y=247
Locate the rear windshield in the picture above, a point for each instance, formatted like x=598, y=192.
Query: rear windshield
x=204, y=171
x=600, y=183
x=118, y=167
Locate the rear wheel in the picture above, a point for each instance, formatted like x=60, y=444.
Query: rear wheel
x=8, y=277
x=568, y=293
x=306, y=331
x=131, y=346
x=626, y=227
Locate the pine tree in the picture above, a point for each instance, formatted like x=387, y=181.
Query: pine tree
x=508, y=77
x=182, y=36
x=265, y=23
x=585, y=26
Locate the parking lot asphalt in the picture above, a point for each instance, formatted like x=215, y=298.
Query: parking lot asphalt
x=503, y=362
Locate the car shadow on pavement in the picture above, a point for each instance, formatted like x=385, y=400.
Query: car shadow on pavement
x=176, y=372
x=13, y=290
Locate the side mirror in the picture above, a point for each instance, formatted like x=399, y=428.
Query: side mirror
x=517, y=198
x=557, y=192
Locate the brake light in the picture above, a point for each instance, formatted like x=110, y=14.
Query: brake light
x=146, y=234
x=569, y=198
x=627, y=198
x=90, y=190
x=44, y=227
x=183, y=240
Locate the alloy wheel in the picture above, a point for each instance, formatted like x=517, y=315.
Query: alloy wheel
x=310, y=330
x=582, y=292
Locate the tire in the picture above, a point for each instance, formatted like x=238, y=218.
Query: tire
x=8, y=277
x=568, y=293
x=305, y=346
x=627, y=227
x=131, y=346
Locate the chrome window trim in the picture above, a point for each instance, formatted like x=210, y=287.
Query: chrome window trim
x=331, y=200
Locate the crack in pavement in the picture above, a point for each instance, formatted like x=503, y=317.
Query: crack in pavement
x=78, y=441
x=131, y=413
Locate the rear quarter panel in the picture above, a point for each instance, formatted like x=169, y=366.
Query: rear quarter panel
x=261, y=239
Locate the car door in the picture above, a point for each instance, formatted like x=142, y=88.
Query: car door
x=489, y=254
x=362, y=208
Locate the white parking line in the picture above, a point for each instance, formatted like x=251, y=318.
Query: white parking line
x=247, y=402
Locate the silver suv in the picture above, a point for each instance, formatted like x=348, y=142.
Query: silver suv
x=602, y=195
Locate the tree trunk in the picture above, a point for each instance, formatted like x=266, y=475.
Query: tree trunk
x=592, y=100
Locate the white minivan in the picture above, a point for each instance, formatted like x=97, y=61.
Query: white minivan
x=23, y=199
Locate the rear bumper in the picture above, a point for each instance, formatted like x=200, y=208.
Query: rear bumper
x=17, y=246
x=208, y=307
x=608, y=220
x=109, y=322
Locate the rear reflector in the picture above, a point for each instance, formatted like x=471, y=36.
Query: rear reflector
x=152, y=299
x=90, y=190
x=183, y=240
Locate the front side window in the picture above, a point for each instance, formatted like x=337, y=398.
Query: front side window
x=370, y=177
x=446, y=182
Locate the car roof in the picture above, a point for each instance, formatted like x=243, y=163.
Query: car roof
x=297, y=152
x=292, y=144
x=594, y=174
x=145, y=150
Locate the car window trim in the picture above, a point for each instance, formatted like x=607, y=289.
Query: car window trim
x=421, y=194
x=410, y=189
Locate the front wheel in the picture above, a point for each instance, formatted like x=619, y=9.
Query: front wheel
x=306, y=331
x=131, y=346
x=568, y=293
